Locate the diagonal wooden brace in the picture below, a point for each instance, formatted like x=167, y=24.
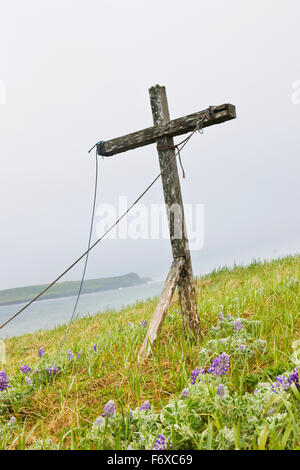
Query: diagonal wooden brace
x=162, y=307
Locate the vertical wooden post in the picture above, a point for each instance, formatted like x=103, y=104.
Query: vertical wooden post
x=173, y=198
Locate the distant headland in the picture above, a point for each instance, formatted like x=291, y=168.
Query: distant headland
x=20, y=295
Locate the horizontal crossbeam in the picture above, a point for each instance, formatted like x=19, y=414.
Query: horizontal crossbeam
x=213, y=115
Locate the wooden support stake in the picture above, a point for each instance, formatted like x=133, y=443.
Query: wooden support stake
x=173, y=198
x=162, y=306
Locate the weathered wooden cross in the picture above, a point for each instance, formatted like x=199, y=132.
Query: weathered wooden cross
x=163, y=131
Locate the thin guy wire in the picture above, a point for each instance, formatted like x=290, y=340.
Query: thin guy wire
x=86, y=260
x=105, y=233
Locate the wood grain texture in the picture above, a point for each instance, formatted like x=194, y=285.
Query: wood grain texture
x=173, y=198
x=222, y=113
x=162, y=307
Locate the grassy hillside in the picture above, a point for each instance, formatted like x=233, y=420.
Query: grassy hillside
x=250, y=314
x=69, y=288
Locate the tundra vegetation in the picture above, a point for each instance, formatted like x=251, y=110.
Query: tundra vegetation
x=238, y=388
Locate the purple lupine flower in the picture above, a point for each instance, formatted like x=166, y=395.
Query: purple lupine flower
x=221, y=390
x=70, y=354
x=195, y=375
x=25, y=369
x=28, y=380
x=131, y=415
x=282, y=383
x=12, y=421
x=143, y=323
x=255, y=391
x=95, y=347
x=228, y=316
x=98, y=421
x=294, y=377
x=109, y=409
x=4, y=383
x=238, y=324
x=41, y=352
x=52, y=370
x=242, y=347
x=78, y=355
x=220, y=365
x=145, y=406
x=221, y=316
x=185, y=393
x=161, y=443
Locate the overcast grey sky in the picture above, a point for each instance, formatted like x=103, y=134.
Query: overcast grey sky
x=77, y=71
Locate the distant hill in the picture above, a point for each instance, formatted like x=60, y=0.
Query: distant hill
x=21, y=295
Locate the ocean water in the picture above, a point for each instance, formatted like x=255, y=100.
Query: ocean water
x=47, y=314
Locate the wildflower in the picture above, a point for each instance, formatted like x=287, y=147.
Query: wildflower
x=220, y=365
x=242, y=347
x=145, y=406
x=25, y=369
x=109, y=409
x=12, y=421
x=161, y=443
x=228, y=316
x=28, y=380
x=52, y=370
x=195, y=375
x=238, y=324
x=41, y=352
x=221, y=316
x=78, y=355
x=4, y=383
x=282, y=383
x=294, y=377
x=98, y=421
x=221, y=390
x=213, y=328
x=185, y=393
x=131, y=416
x=143, y=323
x=70, y=354
x=95, y=347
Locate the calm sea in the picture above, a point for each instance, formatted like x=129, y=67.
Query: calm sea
x=49, y=313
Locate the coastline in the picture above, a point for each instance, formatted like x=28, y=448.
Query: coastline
x=121, y=282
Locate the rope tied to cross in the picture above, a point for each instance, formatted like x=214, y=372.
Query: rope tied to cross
x=179, y=148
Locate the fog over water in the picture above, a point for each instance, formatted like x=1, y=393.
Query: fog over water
x=76, y=72
x=50, y=313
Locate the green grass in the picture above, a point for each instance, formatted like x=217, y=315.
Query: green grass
x=69, y=288
x=264, y=295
